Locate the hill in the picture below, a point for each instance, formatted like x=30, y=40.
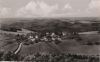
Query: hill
x=42, y=48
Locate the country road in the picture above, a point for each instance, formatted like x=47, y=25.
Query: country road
x=19, y=48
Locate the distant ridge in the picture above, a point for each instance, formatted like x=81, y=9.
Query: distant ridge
x=12, y=20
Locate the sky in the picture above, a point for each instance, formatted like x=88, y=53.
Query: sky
x=49, y=8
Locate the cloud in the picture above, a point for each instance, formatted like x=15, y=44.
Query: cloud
x=36, y=9
x=67, y=6
x=94, y=8
x=65, y=10
x=94, y=4
x=4, y=12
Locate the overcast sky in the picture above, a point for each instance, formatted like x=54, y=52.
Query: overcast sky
x=49, y=8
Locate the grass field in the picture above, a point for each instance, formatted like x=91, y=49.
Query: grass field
x=80, y=49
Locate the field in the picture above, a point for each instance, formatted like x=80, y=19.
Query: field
x=87, y=45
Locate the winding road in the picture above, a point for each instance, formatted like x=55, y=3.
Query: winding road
x=19, y=48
